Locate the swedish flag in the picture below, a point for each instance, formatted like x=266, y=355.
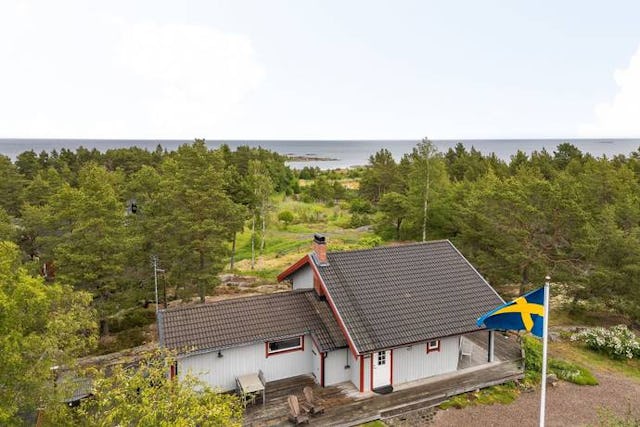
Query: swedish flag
x=523, y=313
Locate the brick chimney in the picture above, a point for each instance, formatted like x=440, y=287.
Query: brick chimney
x=320, y=249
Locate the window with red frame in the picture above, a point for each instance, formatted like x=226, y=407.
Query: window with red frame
x=433, y=346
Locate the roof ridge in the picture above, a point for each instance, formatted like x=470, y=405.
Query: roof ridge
x=401, y=245
x=235, y=299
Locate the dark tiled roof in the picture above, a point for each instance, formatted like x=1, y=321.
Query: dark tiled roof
x=396, y=295
x=239, y=321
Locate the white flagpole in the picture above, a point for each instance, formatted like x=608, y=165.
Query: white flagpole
x=545, y=328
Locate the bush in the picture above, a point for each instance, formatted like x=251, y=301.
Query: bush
x=286, y=217
x=564, y=370
x=618, y=342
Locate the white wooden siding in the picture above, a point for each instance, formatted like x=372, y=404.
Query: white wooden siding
x=334, y=367
x=354, y=362
x=317, y=364
x=413, y=363
x=302, y=278
x=221, y=372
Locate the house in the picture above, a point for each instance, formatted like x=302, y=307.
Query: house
x=377, y=318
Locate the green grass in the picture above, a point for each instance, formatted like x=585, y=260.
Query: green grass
x=504, y=394
x=581, y=354
x=376, y=423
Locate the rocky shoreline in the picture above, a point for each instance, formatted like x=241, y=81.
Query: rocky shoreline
x=308, y=158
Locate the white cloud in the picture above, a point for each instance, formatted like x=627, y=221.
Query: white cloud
x=95, y=75
x=619, y=117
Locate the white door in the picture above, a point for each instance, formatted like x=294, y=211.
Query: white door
x=317, y=363
x=381, y=368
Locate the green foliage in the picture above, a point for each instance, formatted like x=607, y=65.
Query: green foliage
x=83, y=231
x=393, y=208
x=564, y=370
x=286, y=217
x=11, y=186
x=8, y=230
x=41, y=325
x=145, y=396
x=191, y=218
x=381, y=176
x=131, y=318
x=571, y=372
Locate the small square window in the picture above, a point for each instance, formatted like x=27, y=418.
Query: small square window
x=382, y=358
x=433, y=345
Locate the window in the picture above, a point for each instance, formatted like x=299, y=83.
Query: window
x=433, y=346
x=282, y=346
x=382, y=358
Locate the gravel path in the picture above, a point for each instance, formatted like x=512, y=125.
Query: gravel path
x=567, y=405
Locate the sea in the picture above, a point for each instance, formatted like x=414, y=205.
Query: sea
x=343, y=153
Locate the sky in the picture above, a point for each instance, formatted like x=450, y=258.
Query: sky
x=305, y=69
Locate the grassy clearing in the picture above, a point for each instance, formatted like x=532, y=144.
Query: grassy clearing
x=284, y=245
x=581, y=354
x=504, y=394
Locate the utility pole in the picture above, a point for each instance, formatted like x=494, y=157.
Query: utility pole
x=156, y=270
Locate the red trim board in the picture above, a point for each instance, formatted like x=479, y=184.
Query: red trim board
x=293, y=268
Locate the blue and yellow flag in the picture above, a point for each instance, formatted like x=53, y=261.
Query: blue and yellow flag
x=523, y=313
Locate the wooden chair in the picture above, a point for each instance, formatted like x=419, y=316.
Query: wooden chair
x=311, y=402
x=295, y=413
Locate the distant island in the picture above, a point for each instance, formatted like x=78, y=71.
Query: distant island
x=309, y=158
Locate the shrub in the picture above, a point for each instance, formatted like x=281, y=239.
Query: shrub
x=564, y=370
x=617, y=342
x=286, y=217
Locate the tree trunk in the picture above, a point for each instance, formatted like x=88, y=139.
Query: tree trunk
x=253, y=241
x=398, y=223
x=264, y=229
x=424, y=220
x=233, y=250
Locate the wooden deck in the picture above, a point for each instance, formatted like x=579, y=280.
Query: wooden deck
x=345, y=406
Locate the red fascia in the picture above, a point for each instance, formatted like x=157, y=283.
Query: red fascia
x=334, y=310
x=292, y=269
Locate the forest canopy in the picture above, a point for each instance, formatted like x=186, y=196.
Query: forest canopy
x=93, y=220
